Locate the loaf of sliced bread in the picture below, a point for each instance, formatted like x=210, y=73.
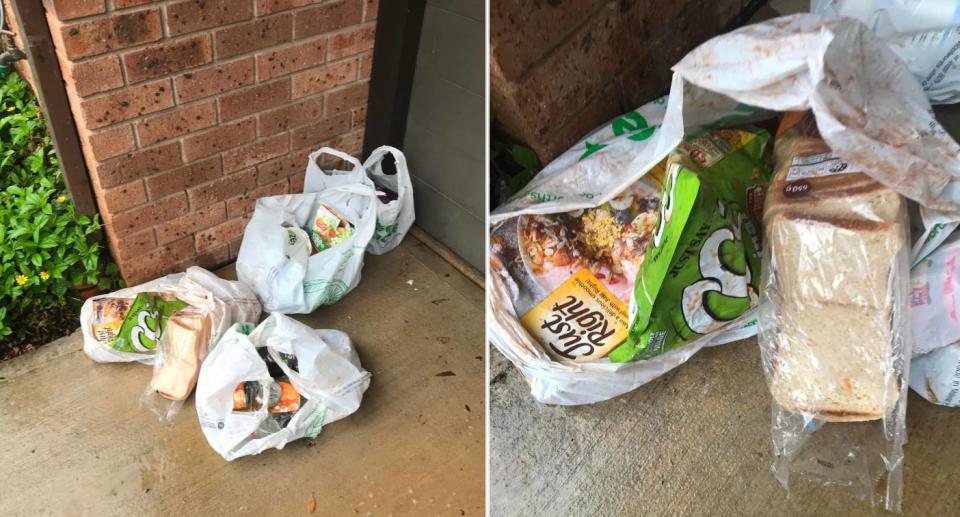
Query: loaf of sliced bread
x=835, y=236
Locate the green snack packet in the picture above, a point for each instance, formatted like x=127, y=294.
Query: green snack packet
x=702, y=265
x=142, y=327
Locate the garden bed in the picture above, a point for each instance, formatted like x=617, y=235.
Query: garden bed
x=47, y=250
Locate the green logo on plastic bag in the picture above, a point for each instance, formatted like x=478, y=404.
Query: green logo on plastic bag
x=631, y=123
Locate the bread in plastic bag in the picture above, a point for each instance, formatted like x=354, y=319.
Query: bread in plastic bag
x=265, y=386
x=834, y=320
x=275, y=258
x=395, y=213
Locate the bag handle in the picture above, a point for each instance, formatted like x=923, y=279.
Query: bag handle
x=336, y=154
x=382, y=151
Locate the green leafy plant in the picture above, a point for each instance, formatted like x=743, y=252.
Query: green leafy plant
x=46, y=248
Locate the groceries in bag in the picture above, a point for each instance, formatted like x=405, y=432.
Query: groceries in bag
x=276, y=257
x=386, y=170
x=168, y=323
x=265, y=386
x=701, y=270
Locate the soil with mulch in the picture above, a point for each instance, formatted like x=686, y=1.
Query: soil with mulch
x=51, y=324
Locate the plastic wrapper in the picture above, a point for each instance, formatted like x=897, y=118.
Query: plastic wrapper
x=265, y=386
x=935, y=298
x=935, y=375
x=395, y=213
x=702, y=265
x=925, y=34
x=276, y=258
x=834, y=320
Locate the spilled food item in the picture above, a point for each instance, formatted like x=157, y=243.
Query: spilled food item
x=701, y=270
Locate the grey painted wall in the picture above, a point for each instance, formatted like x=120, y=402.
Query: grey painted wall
x=445, y=144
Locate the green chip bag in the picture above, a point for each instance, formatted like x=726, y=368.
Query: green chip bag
x=144, y=323
x=702, y=266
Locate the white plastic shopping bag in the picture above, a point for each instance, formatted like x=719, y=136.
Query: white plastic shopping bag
x=106, y=317
x=263, y=387
x=395, y=213
x=923, y=33
x=275, y=257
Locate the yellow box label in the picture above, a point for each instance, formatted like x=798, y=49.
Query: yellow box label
x=581, y=320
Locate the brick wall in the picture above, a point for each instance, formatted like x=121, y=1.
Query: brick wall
x=559, y=68
x=189, y=110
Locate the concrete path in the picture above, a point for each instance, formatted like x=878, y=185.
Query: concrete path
x=74, y=441
x=694, y=442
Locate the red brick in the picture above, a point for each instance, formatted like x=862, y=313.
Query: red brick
x=254, y=35
x=359, y=116
x=158, y=262
x=126, y=104
x=94, y=75
x=168, y=182
x=125, y=197
x=178, y=122
x=366, y=65
x=147, y=215
x=167, y=58
x=223, y=188
x=370, y=10
x=191, y=223
x=347, y=98
x=69, y=9
x=324, y=77
x=111, y=142
x=254, y=99
x=296, y=182
x=350, y=143
x=275, y=6
x=252, y=154
x=218, y=79
x=137, y=165
x=244, y=203
x=99, y=35
x=220, y=234
x=286, y=166
x=195, y=15
x=210, y=259
x=235, y=248
x=311, y=135
x=132, y=247
x=353, y=41
x=277, y=62
x=121, y=4
x=327, y=17
x=291, y=115
x=218, y=139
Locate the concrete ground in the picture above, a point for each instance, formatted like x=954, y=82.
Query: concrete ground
x=75, y=442
x=693, y=442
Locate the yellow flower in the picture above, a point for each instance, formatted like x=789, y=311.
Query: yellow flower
x=61, y=199
x=11, y=108
x=44, y=275
x=21, y=279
